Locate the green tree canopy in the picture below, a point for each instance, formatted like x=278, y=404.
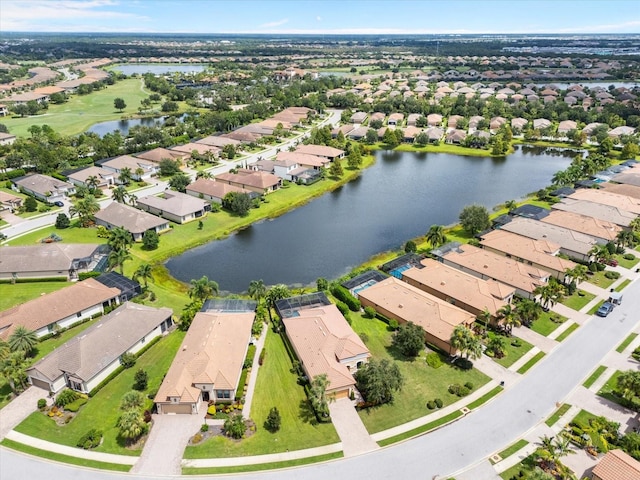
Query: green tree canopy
x=409, y=339
x=474, y=219
x=378, y=380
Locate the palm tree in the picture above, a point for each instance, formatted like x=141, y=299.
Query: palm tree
x=510, y=205
x=203, y=289
x=85, y=208
x=528, y=311
x=119, y=194
x=23, y=339
x=13, y=370
x=539, y=474
x=635, y=225
x=435, y=236
x=318, y=395
x=484, y=317
x=496, y=345
x=549, y=294
x=460, y=338
x=143, y=272
x=577, y=274
x=508, y=317
x=125, y=176
x=120, y=238
x=92, y=182
x=275, y=293
x=626, y=238
x=600, y=253
x=131, y=425
x=204, y=174
x=117, y=259
x=629, y=382
x=139, y=172
x=257, y=289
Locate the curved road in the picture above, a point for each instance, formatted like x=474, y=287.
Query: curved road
x=450, y=449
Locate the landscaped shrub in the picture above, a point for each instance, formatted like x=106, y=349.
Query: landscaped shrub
x=463, y=391
x=369, y=312
x=75, y=405
x=263, y=353
x=251, y=353
x=393, y=324
x=611, y=248
x=469, y=385
x=629, y=256
x=91, y=439
x=204, y=428
x=593, y=267
x=66, y=396
x=19, y=172
x=212, y=409
x=431, y=404
x=600, y=266
x=344, y=308
x=41, y=403
x=612, y=275
x=438, y=402
x=454, y=388
x=463, y=363
x=434, y=360
x=636, y=354
x=128, y=360
x=140, y=380
x=345, y=296
x=85, y=275
x=197, y=438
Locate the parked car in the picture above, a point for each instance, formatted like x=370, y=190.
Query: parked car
x=605, y=309
x=58, y=203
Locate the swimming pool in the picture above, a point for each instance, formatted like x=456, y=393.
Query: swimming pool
x=362, y=287
x=397, y=272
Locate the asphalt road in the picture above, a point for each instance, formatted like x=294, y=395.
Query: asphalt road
x=451, y=449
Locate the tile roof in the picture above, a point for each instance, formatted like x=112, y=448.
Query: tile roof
x=52, y=307
x=127, y=161
x=303, y=158
x=617, y=465
x=620, y=189
x=132, y=219
x=604, y=212
x=320, y=150
x=42, y=184
x=583, y=224
x=251, y=178
x=175, y=203
x=158, y=154
x=210, y=187
x=85, y=173
x=623, y=202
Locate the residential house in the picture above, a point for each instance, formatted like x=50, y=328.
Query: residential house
x=566, y=126
x=541, y=253
x=260, y=182
x=623, y=202
x=620, y=131
x=434, y=119
x=412, y=119
x=518, y=124
x=616, y=465
x=489, y=265
x=574, y=244
x=453, y=121
x=618, y=188
x=7, y=138
x=208, y=365
x=395, y=119
x=465, y=291
x=213, y=191
x=87, y=359
x=218, y=141
x=104, y=177
x=600, y=211
x=627, y=178
x=200, y=148
x=44, y=188
x=358, y=118
x=326, y=344
x=404, y=303
x=131, y=219
x=329, y=153
x=456, y=136
x=141, y=170
x=601, y=230
x=305, y=160
x=60, y=309
x=175, y=206
x=50, y=260
x=434, y=134
x=4, y=111
x=9, y=202
x=158, y=154
x=541, y=123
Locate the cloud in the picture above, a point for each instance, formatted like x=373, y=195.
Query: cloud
x=274, y=24
x=319, y=18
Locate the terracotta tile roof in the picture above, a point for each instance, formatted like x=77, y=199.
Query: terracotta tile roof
x=212, y=352
x=158, y=154
x=210, y=187
x=604, y=212
x=619, y=188
x=303, y=158
x=322, y=338
x=617, y=465
x=583, y=224
x=320, y=150
x=251, y=178
x=175, y=203
x=218, y=141
x=630, y=204
x=201, y=148
x=52, y=307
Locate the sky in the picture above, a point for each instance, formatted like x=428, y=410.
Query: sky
x=322, y=16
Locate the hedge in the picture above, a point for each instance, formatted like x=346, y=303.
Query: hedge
x=19, y=172
x=343, y=295
x=85, y=275
x=241, y=383
x=75, y=405
x=35, y=280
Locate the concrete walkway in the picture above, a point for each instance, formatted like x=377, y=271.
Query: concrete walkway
x=19, y=408
x=543, y=343
x=253, y=376
x=354, y=436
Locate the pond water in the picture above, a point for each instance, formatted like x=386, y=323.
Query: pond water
x=157, y=68
x=396, y=199
x=124, y=126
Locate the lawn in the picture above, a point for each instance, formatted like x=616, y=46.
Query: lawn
x=564, y=408
x=512, y=352
x=12, y=295
x=578, y=300
x=81, y=111
x=610, y=390
x=600, y=280
x=595, y=308
x=421, y=382
x=510, y=450
x=276, y=387
x=627, y=341
x=261, y=466
x=626, y=263
x=622, y=286
x=567, y=332
x=594, y=376
x=102, y=410
x=535, y=359
x=547, y=323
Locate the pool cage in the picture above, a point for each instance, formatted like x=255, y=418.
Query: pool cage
x=289, y=307
x=229, y=305
x=404, y=262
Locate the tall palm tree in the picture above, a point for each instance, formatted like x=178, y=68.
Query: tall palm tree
x=23, y=339
x=257, y=290
x=143, y=272
x=125, y=176
x=508, y=317
x=510, y=205
x=85, y=209
x=119, y=194
x=204, y=174
x=203, y=288
x=626, y=238
x=139, y=172
x=528, y=311
x=92, y=182
x=599, y=252
x=629, y=382
x=435, y=236
x=13, y=370
x=120, y=239
x=460, y=338
x=117, y=258
x=635, y=225
x=577, y=274
x=275, y=293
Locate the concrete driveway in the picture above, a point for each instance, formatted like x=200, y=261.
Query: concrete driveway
x=20, y=408
x=354, y=437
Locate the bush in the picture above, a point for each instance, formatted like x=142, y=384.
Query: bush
x=197, y=438
x=629, y=256
x=65, y=397
x=393, y=324
x=463, y=363
x=593, y=267
x=273, y=421
x=211, y=410
x=434, y=360
x=263, y=353
x=369, y=312
x=234, y=426
x=612, y=275
x=344, y=309
x=42, y=403
x=204, y=428
x=600, y=266
x=85, y=275
x=343, y=295
x=128, y=360
x=75, y=405
x=30, y=204
x=463, y=391
x=141, y=380
x=431, y=404
x=469, y=385
x=62, y=221
x=438, y=403
x=91, y=439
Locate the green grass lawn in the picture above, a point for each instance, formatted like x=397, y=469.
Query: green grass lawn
x=421, y=382
x=594, y=376
x=567, y=332
x=512, y=352
x=510, y=450
x=595, y=308
x=102, y=411
x=520, y=470
x=626, y=263
x=12, y=295
x=276, y=387
x=600, y=280
x=578, y=300
x=610, y=389
x=564, y=408
x=547, y=323
x=485, y=398
x=81, y=111
x=261, y=466
x=622, y=285
x=535, y=359
x=627, y=341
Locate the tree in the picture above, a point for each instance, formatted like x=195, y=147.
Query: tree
x=13, y=369
x=496, y=346
x=169, y=107
x=335, y=170
x=550, y=294
x=203, y=289
x=237, y=203
x=435, y=236
x=119, y=104
x=528, y=311
x=140, y=380
x=150, y=240
x=371, y=136
x=133, y=399
x=600, y=253
x=508, y=317
x=92, y=183
x=168, y=167
x=143, y=272
x=510, y=205
x=354, y=159
x=273, y=420
x=629, y=384
x=409, y=339
x=131, y=425
x=119, y=194
x=30, y=204
x=120, y=239
x=275, y=293
x=117, y=258
x=229, y=151
x=125, y=176
x=318, y=395
x=234, y=426
x=62, y=221
x=390, y=138
x=22, y=340
x=626, y=238
x=257, y=290
x=474, y=219
x=85, y=209
x=410, y=247
x=378, y=380
x=179, y=182
x=577, y=274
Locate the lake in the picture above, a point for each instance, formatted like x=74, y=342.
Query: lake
x=157, y=68
x=396, y=199
x=124, y=126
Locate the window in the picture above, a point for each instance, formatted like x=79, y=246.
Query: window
x=223, y=394
x=79, y=314
x=143, y=339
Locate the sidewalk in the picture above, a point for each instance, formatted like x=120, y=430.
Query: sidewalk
x=253, y=376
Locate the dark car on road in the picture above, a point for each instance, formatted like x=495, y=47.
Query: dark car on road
x=58, y=203
x=605, y=309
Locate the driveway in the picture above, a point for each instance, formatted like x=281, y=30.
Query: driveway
x=20, y=408
x=163, y=450
x=354, y=437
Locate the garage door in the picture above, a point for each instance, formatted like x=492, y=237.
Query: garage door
x=183, y=408
x=342, y=394
x=40, y=384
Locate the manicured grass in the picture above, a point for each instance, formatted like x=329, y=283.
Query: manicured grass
x=510, y=450
x=567, y=332
x=538, y=356
x=564, y=408
x=600, y=280
x=594, y=376
x=421, y=382
x=512, y=353
x=547, y=323
x=595, y=308
x=627, y=341
x=423, y=429
x=623, y=262
x=69, y=235
x=521, y=469
x=276, y=387
x=578, y=300
x=82, y=111
x=103, y=409
x=622, y=285
x=485, y=398
x=610, y=389
x=261, y=466
x=12, y=295
x=57, y=457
